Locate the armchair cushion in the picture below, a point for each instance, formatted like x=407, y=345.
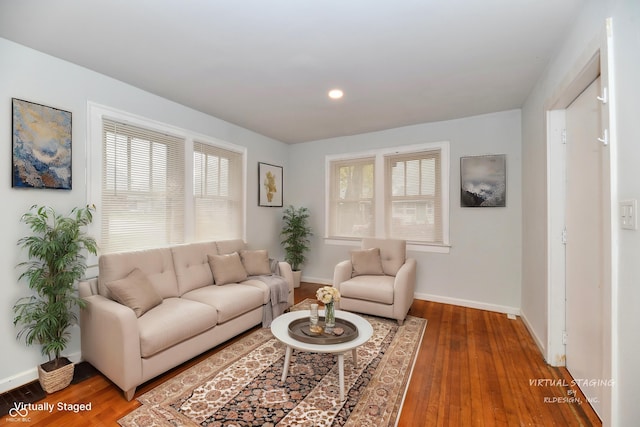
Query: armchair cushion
x=392, y=251
x=366, y=262
x=227, y=268
x=377, y=289
x=136, y=292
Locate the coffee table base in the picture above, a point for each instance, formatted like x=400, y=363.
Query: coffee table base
x=354, y=355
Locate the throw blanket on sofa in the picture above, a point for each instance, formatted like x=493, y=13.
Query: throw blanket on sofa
x=279, y=294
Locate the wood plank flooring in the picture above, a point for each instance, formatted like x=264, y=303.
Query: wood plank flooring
x=475, y=368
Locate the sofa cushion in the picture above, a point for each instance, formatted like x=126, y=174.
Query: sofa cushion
x=136, y=292
x=230, y=246
x=173, y=321
x=227, y=268
x=369, y=288
x=192, y=265
x=230, y=300
x=156, y=264
x=366, y=261
x=256, y=263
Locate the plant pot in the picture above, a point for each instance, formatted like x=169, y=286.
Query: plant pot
x=297, y=275
x=55, y=379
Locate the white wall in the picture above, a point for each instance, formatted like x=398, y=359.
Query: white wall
x=483, y=267
x=583, y=35
x=33, y=76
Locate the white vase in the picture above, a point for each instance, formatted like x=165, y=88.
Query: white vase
x=297, y=275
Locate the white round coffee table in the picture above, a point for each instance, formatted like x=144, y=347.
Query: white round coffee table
x=280, y=330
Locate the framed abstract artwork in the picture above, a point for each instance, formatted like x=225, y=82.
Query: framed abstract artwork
x=41, y=146
x=483, y=181
x=269, y=185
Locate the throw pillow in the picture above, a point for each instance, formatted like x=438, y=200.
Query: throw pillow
x=227, y=268
x=256, y=262
x=366, y=261
x=136, y=292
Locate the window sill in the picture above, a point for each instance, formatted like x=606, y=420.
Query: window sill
x=411, y=246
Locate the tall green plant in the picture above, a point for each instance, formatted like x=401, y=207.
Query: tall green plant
x=56, y=250
x=296, y=232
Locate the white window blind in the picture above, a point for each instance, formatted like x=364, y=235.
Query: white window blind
x=352, y=198
x=412, y=196
x=142, y=188
x=218, y=192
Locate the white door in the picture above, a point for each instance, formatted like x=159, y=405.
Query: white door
x=585, y=248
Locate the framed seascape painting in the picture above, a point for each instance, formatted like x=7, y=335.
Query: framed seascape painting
x=483, y=181
x=270, y=185
x=41, y=146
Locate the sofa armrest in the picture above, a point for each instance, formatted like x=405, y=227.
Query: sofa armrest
x=110, y=340
x=404, y=288
x=88, y=287
x=287, y=274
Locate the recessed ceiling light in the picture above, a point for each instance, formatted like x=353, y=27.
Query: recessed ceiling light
x=335, y=94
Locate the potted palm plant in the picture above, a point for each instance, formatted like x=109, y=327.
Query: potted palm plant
x=56, y=250
x=296, y=232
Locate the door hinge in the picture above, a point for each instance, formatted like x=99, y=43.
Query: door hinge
x=605, y=137
x=564, y=237
x=564, y=136
x=564, y=337
x=604, y=98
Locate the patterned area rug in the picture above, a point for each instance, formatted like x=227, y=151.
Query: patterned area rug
x=240, y=385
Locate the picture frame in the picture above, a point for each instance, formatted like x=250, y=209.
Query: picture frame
x=41, y=147
x=483, y=181
x=270, y=185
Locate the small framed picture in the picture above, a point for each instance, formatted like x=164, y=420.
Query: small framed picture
x=483, y=181
x=41, y=146
x=269, y=185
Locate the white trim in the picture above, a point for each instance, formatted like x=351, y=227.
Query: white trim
x=411, y=247
x=535, y=336
x=469, y=303
x=25, y=377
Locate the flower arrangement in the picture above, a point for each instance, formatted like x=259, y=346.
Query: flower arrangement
x=328, y=294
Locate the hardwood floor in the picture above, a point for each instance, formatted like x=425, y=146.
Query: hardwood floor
x=475, y=368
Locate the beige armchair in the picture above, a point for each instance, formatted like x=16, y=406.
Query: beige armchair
x=378, y=280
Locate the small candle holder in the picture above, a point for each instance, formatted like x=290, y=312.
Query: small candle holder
x=313, y=315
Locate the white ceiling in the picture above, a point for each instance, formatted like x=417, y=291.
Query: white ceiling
x=267, y=65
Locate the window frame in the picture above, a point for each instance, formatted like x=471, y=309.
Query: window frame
x=380, y=199
x=96, y=114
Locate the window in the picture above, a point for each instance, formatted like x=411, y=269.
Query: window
x=397, y=193
x=161, y=185
x=352, y=204
x=142, y=188
x=217, y=192
x=412, y=196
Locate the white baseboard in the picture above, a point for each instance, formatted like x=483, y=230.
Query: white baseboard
x=470, y=304
x=536, y=339
x=29, y=375
x=317, y=280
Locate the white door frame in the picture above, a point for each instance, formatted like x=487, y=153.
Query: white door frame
x=597, y=61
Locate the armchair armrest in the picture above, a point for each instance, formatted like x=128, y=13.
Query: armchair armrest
x=342, y=273
x=404, y=288
x=110, y=340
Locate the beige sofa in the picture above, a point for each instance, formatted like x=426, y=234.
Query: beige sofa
x=378, y=280
x=149, y=311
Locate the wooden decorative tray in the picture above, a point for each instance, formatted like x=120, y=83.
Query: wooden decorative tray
x=299, y=329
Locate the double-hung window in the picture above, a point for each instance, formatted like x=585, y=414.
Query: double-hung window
x=160, y=186
x=217, y=192
x=401, y=192
x=142, y=188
